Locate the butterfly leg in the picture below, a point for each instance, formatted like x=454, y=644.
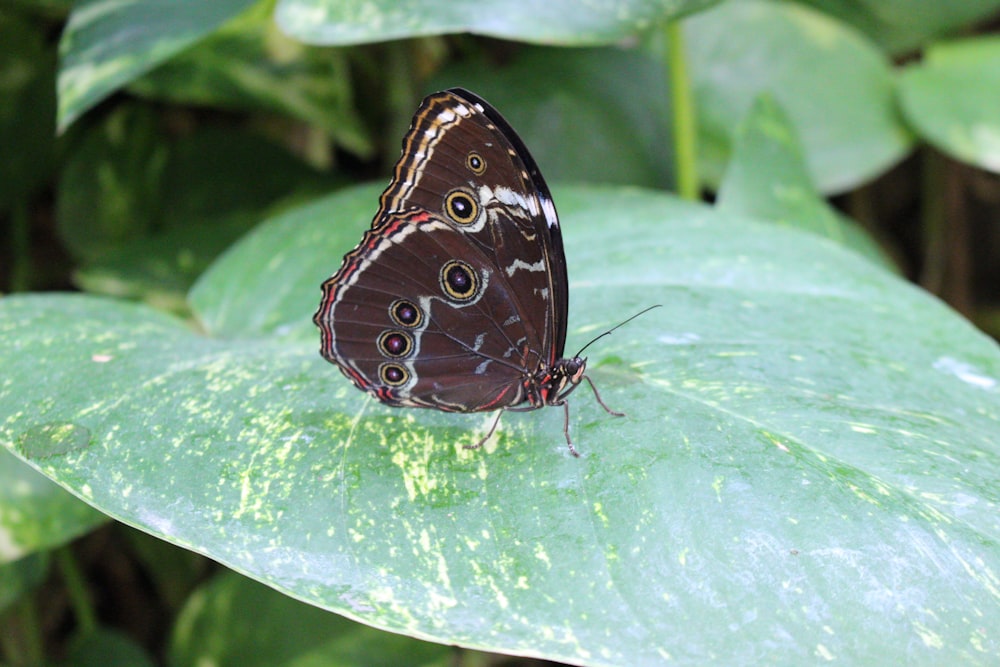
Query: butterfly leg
x=597, y=395
x=569, y=443
x=487, y=436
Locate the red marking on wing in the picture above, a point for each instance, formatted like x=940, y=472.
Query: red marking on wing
x=383, y=227
x=386, y=395
x=495, y=403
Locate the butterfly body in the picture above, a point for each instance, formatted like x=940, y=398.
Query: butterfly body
x=456, y=298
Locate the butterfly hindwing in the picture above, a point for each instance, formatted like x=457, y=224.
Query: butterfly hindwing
x=411, y=338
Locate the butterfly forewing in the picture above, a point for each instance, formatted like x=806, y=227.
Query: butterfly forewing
x=544, y=217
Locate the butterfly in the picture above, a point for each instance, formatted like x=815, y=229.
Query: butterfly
x=456, y=298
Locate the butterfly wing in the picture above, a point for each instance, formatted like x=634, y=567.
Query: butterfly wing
x=457, y=294
x=549, y=242
x=447, y=129
x=411, y=322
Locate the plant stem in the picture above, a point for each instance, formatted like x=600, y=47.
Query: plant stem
x=77, y=590
x=20, y=248
x=685, y=126
x=21, y=640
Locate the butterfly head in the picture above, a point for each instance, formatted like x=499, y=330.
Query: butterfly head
x=557, y=381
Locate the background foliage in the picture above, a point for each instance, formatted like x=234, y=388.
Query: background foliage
x=808, y=467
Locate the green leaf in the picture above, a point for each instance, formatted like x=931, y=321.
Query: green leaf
x=35, y=514
x=768, y=179
x=903, y=25
x=43, y=8
x=235, y=621
x=221, y=171
x=809, y=459
x=249, y=64
x=108, y=43
x=172, y=571
x=571, y=105
x=23, y=575
x=107, y=647
x=161, y=267
x=952, y=100
x=109, y=183
x=566, y=22
x=834, y=84
x=27, y=115
x=148, y=215
x=236, y=299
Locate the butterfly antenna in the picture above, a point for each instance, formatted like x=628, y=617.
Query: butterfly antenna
x=617, y=326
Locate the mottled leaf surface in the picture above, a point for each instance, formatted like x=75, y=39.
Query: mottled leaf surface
x=107, y=43
x=566, y=22
x=807, y=469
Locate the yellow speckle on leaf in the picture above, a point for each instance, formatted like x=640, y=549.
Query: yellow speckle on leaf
x=930, y=638
x=501, y=598
x=717, y=487
x=599, y=511
x=542, y=555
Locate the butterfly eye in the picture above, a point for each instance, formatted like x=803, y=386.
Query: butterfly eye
x=405, y=314
x=461, y=207
x=458, y=280
x=395, y=344
x=393, y=375
x=476, y=163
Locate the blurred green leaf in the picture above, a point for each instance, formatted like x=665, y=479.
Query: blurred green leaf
x=599, y=115
x=834, y=84
x=148, y=214
x=298, y=252
x=173, y=571
x=42, y=7
x=27, y=114
x=235, y=621
x=108, y=43
x=768, y=179
x=23, y=575
x=160, y=268
x=222, y=171
x=902, y=25
x=107, y=647
x=249, y=64
x=110, y=182
x=953, y=100
x=809, y=439
x=566, y=22
x=35, y=513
